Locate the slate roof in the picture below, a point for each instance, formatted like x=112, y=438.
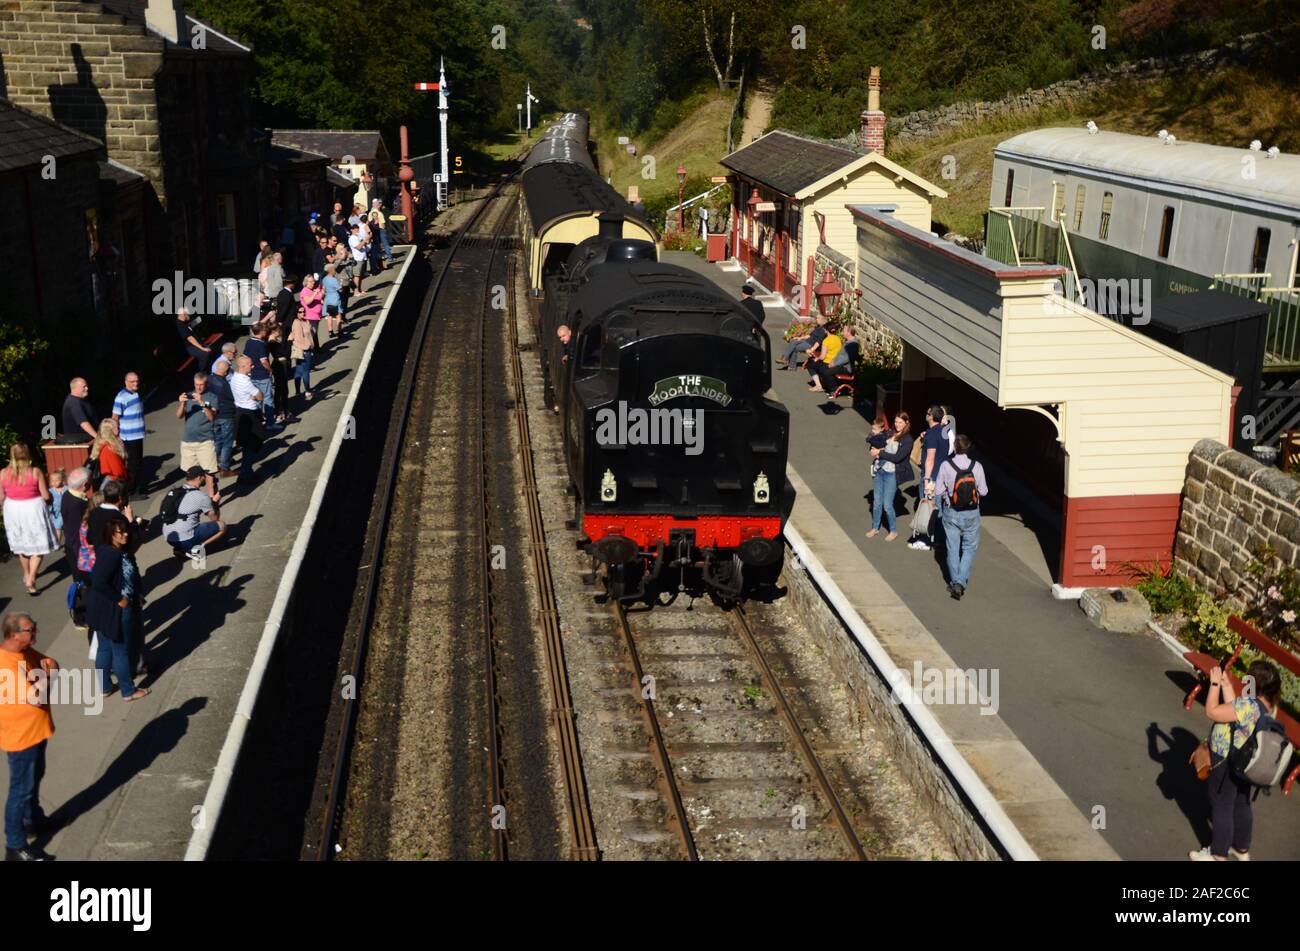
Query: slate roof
x=280, y=155
x=118, y=174
x=337, y=179
x=26, y=138
x=787, y=162
x=362, y=144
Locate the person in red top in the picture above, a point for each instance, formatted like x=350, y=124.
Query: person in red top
x=312, y=298
x=25, y=728
x=110, y=451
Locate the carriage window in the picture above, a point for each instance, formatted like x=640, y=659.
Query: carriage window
x=1079, y=194
x=1166, y=232
x=591, y=341
x=1259, y=254
x=1011, y=182
x=1103, y=228
x=1058, y=200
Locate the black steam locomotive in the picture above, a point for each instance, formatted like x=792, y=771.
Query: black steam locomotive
x=676, y=457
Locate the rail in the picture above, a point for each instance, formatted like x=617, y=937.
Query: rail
x=1017, y=235
x=374, y=556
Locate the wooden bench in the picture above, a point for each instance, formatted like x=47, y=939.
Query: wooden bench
x=1269, y=647
x=189, y=360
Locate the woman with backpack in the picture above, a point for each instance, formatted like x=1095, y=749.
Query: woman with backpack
x=1236, y=721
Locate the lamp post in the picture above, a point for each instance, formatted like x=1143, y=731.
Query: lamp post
x=828, y=293
x=753, y=226
x=519, y=116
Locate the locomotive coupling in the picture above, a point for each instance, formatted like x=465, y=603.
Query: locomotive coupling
x=761, y=551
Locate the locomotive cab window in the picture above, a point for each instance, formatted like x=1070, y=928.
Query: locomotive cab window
x=589, y=359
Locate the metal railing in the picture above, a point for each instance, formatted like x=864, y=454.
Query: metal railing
x=1065, y=258
x=1282, y=339
x=1018, y=235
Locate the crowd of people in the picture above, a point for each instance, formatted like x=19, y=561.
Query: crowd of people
x=233, y=402
x=949, y=483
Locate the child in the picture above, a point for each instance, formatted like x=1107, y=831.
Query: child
x=58, y=486
x=880, y=438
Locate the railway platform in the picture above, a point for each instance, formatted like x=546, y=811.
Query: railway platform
x=130, y=781
x=1087, y=753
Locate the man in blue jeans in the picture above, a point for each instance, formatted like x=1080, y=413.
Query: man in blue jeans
x=223, y=427
x=960, y=487
x=804, y=344
x=25, y=729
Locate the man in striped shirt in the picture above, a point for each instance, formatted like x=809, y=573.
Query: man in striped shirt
x=128, y=410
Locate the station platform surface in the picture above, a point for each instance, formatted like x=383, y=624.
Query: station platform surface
x=1088, y=751
x=128, y=781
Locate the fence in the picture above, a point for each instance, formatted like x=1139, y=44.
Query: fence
x=1018, y=236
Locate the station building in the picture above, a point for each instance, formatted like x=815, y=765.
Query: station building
x=790, y=194
x=1093, y=416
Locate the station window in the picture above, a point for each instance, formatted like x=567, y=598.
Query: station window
x=226, y=228
x=1166, y=231
x=1058, y=200
x=1079, y=195
x=1259, y=254
x=1011, y=183
x=1103, y=227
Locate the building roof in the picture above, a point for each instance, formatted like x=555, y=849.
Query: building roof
x=279, y=155
x=27, y=137
x=788, y=162
x=1183, y=313
x=1213, y=172
x=213, y=39
x=800, y=166
x=116, y=173
x=337, y=179
x=364, y=145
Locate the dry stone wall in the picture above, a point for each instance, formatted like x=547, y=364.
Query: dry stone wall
x=871, y=332
x=1232, y=506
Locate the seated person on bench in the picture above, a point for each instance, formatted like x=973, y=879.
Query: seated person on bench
x=842, y=362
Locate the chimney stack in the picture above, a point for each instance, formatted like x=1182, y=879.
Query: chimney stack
x=167, y=17
x=872, y=135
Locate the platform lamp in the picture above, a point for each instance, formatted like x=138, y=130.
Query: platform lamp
x=828, y=294
x=681, y=190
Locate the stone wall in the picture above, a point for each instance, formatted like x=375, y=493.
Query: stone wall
x=928, y=123
x=1233, y=505
x=876, y=705
x=871, y=332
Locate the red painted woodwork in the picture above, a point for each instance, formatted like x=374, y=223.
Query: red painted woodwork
x=711, y=531
x=806, y=309
x=1130, y=528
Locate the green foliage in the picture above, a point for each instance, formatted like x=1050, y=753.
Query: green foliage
x=1207, y=628
x=1163, y=587
x=18, y=346
x=675, y=240
x=882, y=355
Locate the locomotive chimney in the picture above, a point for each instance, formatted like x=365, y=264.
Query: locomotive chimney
x=611, y=225
x=872, y=134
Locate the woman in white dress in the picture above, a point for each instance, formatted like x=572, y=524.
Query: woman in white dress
x=28, y=525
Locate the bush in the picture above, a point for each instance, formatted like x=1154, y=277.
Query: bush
x=1207, y=628
x=1165, y=589
x=683, y=241
x=1278, y=607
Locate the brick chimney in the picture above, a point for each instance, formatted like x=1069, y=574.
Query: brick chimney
x=167, y=17
x=872, y=134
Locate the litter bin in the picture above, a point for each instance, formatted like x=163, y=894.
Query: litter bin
x=716, y=248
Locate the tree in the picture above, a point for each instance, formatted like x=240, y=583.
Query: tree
x=726, y=30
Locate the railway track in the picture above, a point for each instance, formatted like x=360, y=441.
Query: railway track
x=462, y=315
x=733, y=784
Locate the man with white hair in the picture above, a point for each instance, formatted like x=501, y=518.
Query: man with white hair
x=228, y=352
x=186, y=328
x=73, y=506
x=248, y=415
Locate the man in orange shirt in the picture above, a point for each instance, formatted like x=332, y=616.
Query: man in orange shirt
x=25, y=727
